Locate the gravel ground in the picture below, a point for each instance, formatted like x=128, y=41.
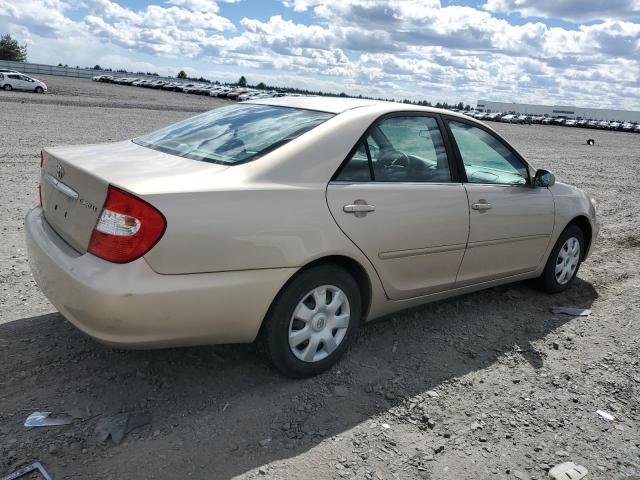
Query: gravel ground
x=488, y=385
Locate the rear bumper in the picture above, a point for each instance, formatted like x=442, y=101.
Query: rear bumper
x=129, y=305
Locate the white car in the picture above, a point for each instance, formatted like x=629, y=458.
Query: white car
x=220, y=91
x=248, y=96
x=20, y=81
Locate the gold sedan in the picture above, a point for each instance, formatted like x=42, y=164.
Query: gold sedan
x=291, y=221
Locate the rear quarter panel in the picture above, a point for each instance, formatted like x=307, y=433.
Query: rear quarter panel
x=243, y=229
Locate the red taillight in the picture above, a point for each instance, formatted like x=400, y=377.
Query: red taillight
x=128, y=228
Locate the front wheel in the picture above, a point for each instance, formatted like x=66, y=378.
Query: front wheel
x=39, y=90
x=312, y=321
x=564, y=261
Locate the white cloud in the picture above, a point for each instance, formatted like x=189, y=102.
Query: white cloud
x=196, y=5
x=401, y=48
x=184, y=28
x=41, y=17
x=570, y=10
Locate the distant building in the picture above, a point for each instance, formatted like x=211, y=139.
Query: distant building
x=559, y=111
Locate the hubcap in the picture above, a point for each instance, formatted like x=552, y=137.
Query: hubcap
x=567, y=261
x=319, y=323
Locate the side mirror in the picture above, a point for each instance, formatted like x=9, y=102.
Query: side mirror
x=544, y=178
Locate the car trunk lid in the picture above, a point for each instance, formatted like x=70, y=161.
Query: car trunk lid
x=75, y=180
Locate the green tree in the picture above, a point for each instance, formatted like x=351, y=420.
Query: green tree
x=242, y=82
x=261, y=86
x=11, y=50
x=182, y=75
x=97, y=67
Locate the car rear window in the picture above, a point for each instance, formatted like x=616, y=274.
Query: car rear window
x=234, y=134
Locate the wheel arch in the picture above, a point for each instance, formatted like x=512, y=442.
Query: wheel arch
x=353, y=267
x=356, y=270
x=583, y=223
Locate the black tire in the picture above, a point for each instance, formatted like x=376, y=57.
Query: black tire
x=548, y=282
x=39, y=90
x=7, y=87
x=274, y=336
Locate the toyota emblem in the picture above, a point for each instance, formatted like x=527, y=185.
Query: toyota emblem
x=60, y=171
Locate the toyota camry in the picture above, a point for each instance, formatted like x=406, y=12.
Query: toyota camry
x=290, y=222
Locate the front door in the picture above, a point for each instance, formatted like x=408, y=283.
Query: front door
x=397, y=200
x=510, y=221
x=26, y=83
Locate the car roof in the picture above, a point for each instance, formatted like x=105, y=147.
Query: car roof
x=342, y=104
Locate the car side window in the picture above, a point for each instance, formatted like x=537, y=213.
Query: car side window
x=357, y=168
x=15, y=77
x=400, y=149
x=486, y=159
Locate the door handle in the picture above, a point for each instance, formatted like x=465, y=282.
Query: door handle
x=358, y=208
x=481, y=206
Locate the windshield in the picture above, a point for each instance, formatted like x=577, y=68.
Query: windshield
x=233, y=134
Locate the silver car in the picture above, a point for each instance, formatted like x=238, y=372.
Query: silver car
x=291, y=221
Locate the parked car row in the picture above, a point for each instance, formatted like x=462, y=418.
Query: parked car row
x=12, y=80
x=213, y=90
x=501, y=117
x=605, y=125
x=543, y=120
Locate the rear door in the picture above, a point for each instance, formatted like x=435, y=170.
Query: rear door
x=398, y=199
x=510, y=221
x=15, y=81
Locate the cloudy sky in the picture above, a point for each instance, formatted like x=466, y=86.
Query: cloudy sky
x=575, y=52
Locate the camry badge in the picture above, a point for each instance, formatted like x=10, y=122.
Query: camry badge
x=60, y=171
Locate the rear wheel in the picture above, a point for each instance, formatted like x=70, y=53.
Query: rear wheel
x=7, y=87
x=39, y=90
x=564, y=262
x=312, y=321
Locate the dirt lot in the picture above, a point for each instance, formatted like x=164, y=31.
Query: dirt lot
x=489, y=385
